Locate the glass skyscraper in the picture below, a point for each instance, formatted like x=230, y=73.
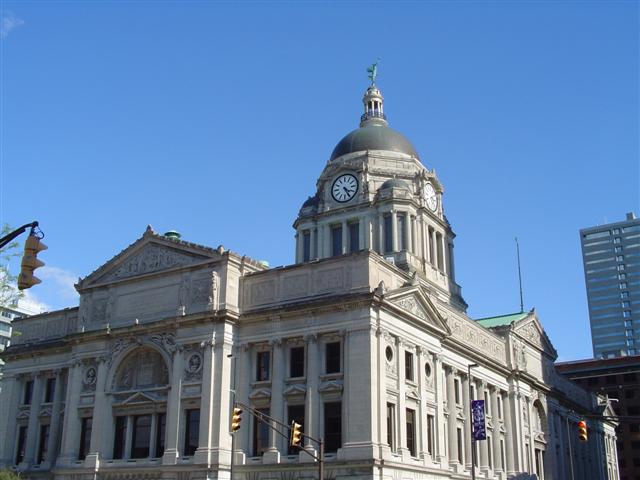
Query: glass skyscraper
x=611, y=257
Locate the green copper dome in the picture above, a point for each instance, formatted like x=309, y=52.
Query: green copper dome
x=374, y=136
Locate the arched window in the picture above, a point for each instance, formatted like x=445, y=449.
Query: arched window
x=140, y=387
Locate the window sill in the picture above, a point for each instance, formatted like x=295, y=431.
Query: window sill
x=331, y=376
x=261, y=383
x=302, y=379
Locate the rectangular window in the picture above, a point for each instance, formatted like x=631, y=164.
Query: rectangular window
x=499, y=403
x=336, y=240
x=86, y=426
x=411, y=431
x=141, y=436
x=306, y=246
x=456, y=390
x=408, y=365
x=296, y=358
x=28, y=391
x=332, y=426
x=260, y=434
x=263, y=366
x=502, y=455
x=49, y=390
x=440, y=251
x=402, y=232
x=22, y=441
x=120, y=437
x=460, y=446
x=618, y=249
x=388, y=234
x=43, y=443
x=192, y=431
x=354, y=237
x=624, y=295
x=295, y=413
x=431, y=428
x=391, y=426
x=161, y=426
x=432, y=250
x=332, y=358
x=626, y=304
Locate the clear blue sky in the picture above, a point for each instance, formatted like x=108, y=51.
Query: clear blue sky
x=215, y=119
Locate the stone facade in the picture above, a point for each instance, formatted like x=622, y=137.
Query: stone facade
x=365, y=341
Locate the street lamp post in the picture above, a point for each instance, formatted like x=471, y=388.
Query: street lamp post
x=473, y=440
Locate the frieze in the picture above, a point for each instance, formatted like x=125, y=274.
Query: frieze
x=473, y=335
x=262, y=292
x=295, y=286
x=152, y=258
x=329, y=280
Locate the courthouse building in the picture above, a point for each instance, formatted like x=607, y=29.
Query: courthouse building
x=364, y=341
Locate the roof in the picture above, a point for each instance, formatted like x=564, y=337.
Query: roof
x=501, y=320
x=374, y=136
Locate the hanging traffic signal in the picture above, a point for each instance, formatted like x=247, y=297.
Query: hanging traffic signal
x=582, y=431
x=30, y=262
x=296, y=435
x=236, y=419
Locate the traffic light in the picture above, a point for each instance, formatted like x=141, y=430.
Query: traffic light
x=582, y=431
x=236, y=419
x=296, y=435
x=30, y=262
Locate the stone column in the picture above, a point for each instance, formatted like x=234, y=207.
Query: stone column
x=421, y=421
x=440, y=418
x=11, y=390
x=313, y=249
x=272, y=455
x=434, y=249
x=202, y=453
x=242, y=387
x=312, y=403
x=401, y=442
x=174, y=410
x=345, y=236
x=452, y=269
x=129, y=438
x=394, y=231
x=451, y=422
x=298, y=237
x=102, y=419
x=509, y=440
x=34, y=413
x=381, y=233
x=71, y=429
x=484, y=450
x=495, y=438
x=380, y=363
x=407, y=232
x=56, y=414
x=468, y=421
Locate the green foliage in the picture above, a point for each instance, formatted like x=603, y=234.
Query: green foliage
x=9, y=294
x=9, y=475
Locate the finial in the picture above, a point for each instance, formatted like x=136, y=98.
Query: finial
x=373, y=71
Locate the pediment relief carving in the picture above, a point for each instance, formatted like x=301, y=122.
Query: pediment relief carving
x=143, y=397
x=532, y=332
x=413, y=393
x=23, y=415
x=415, y=301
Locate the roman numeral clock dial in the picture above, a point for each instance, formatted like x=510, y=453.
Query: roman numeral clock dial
x=344, y=188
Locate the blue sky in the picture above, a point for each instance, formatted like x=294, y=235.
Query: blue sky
x=215, y=119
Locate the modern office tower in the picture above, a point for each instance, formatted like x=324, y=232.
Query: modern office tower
x=611, y=257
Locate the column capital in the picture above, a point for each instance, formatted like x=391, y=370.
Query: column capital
x=275, y=343
x=311, y=338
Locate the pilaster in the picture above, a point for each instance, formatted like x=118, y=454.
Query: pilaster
x=174, y=410
x=72, y=424
x=102, y=419
x=32, y=431
x=272, y=455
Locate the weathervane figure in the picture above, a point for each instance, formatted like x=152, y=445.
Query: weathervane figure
x=373, y=72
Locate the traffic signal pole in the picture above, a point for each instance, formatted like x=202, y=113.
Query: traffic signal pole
x=18, y=231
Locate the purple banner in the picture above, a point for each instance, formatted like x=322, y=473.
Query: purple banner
x=477, y=414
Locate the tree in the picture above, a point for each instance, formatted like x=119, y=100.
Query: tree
x=9, y=294
x=7, y=474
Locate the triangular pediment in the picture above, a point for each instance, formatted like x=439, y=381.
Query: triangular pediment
x=530, y=330
x=413, y=300
x=149, y=254
x=296, y=389
x=331, y=386
x=140, y=398
x=261, y=393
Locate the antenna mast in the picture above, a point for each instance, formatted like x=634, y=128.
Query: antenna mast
x=519, y=275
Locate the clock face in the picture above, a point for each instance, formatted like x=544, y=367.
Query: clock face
x=430, y=197
x=344, y=188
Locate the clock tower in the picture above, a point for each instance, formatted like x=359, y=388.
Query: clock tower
x=375, y=194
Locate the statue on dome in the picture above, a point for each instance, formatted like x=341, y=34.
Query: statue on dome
x=373, y=72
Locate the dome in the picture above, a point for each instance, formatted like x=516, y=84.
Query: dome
x=310, y=202
x=374, y=136
x=394, y=183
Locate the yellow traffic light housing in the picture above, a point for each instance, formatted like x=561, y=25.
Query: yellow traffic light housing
x=236, y=419
x=582, y=431
x=296, y=435
x=30, y=262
